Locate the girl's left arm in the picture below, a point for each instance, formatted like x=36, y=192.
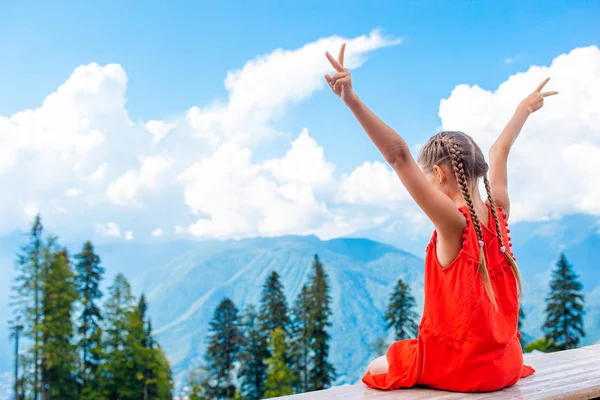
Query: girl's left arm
x=440, y=209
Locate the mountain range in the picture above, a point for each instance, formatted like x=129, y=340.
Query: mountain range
x=184, y=281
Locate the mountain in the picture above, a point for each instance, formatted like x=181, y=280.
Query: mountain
x=184, y=281
x=184, y=292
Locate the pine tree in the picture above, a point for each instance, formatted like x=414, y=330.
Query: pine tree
x=223, y=350
x=279, y=376
x=119, y=309
x=564, y=309
x=273, y=305
x=400, y=314
x=27, y=303
x=89, y=277
x=300, y=340
x=59, y=356
x=254, y=353
x=321, y=372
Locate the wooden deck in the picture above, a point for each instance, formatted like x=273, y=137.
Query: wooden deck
x=572, y=374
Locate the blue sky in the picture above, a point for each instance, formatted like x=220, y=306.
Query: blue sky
x=177, y=55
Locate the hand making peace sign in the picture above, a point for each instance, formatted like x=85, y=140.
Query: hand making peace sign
x=341, y=81
x=535, y=100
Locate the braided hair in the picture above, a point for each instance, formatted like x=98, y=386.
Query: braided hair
x=466, y=159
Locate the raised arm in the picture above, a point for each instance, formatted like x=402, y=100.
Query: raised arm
x=440, y=209
x=501, y=148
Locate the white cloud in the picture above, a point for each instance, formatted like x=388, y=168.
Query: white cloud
x=552, y=163
x=303, y=164
x=372, y=183
x=266, y=85
x=126, y=187
x=81, y=142
x=159, y=129
x=158, y=232
x=110, y=229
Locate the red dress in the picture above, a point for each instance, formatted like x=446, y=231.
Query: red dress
x=463, y=345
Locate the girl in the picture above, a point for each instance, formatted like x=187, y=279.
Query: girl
x=468, y=339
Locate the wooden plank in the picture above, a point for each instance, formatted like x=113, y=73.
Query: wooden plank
x=572, y=374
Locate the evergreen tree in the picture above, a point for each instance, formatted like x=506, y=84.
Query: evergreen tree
x=279, y=376
x=223, y=349
x=89, y=277
x=59, y=356
x=273, y=310
x=300, y=340
x=400, y=314
x=564, y=308
x=27, y=304
x=119, y=308
x=254, y=353
x=321, y=372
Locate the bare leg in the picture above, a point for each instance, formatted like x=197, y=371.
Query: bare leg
x=378, y=366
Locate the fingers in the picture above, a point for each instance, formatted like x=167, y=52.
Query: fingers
x=341, y=55
x=546, y=94
x=333, y=62
x=340, y=83
x=339, y=75
x=541, y=86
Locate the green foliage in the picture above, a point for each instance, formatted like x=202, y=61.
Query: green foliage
x=401, y=314
x=224, y=343
x=59, y=356
x=86, y=358
x=279, y=376
x=26, y=301
x=273, y=310
x=89, y=277
x=300, y=340
x=253, y=355
x=321, y=372
x=541, y=344
x=564, y=308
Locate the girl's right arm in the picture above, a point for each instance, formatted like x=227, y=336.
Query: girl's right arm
x=501, y=148
x=440, y=209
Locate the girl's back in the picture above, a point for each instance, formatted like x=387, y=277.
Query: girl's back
x=468, y=343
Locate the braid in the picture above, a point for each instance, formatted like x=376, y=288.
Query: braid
x=511, y=260
x=461, y=178
x=494, y=213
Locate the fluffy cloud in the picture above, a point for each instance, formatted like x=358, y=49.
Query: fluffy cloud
x=266, y=85
x=552, y=163
x=201, y=174
x=125, y=188
x=372, y=183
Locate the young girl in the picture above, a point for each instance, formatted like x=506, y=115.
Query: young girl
x=468, y=339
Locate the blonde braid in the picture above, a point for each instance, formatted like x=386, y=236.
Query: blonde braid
x=511, y=260
x=459, y=171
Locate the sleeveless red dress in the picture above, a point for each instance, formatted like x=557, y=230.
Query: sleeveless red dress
x=463, y=344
